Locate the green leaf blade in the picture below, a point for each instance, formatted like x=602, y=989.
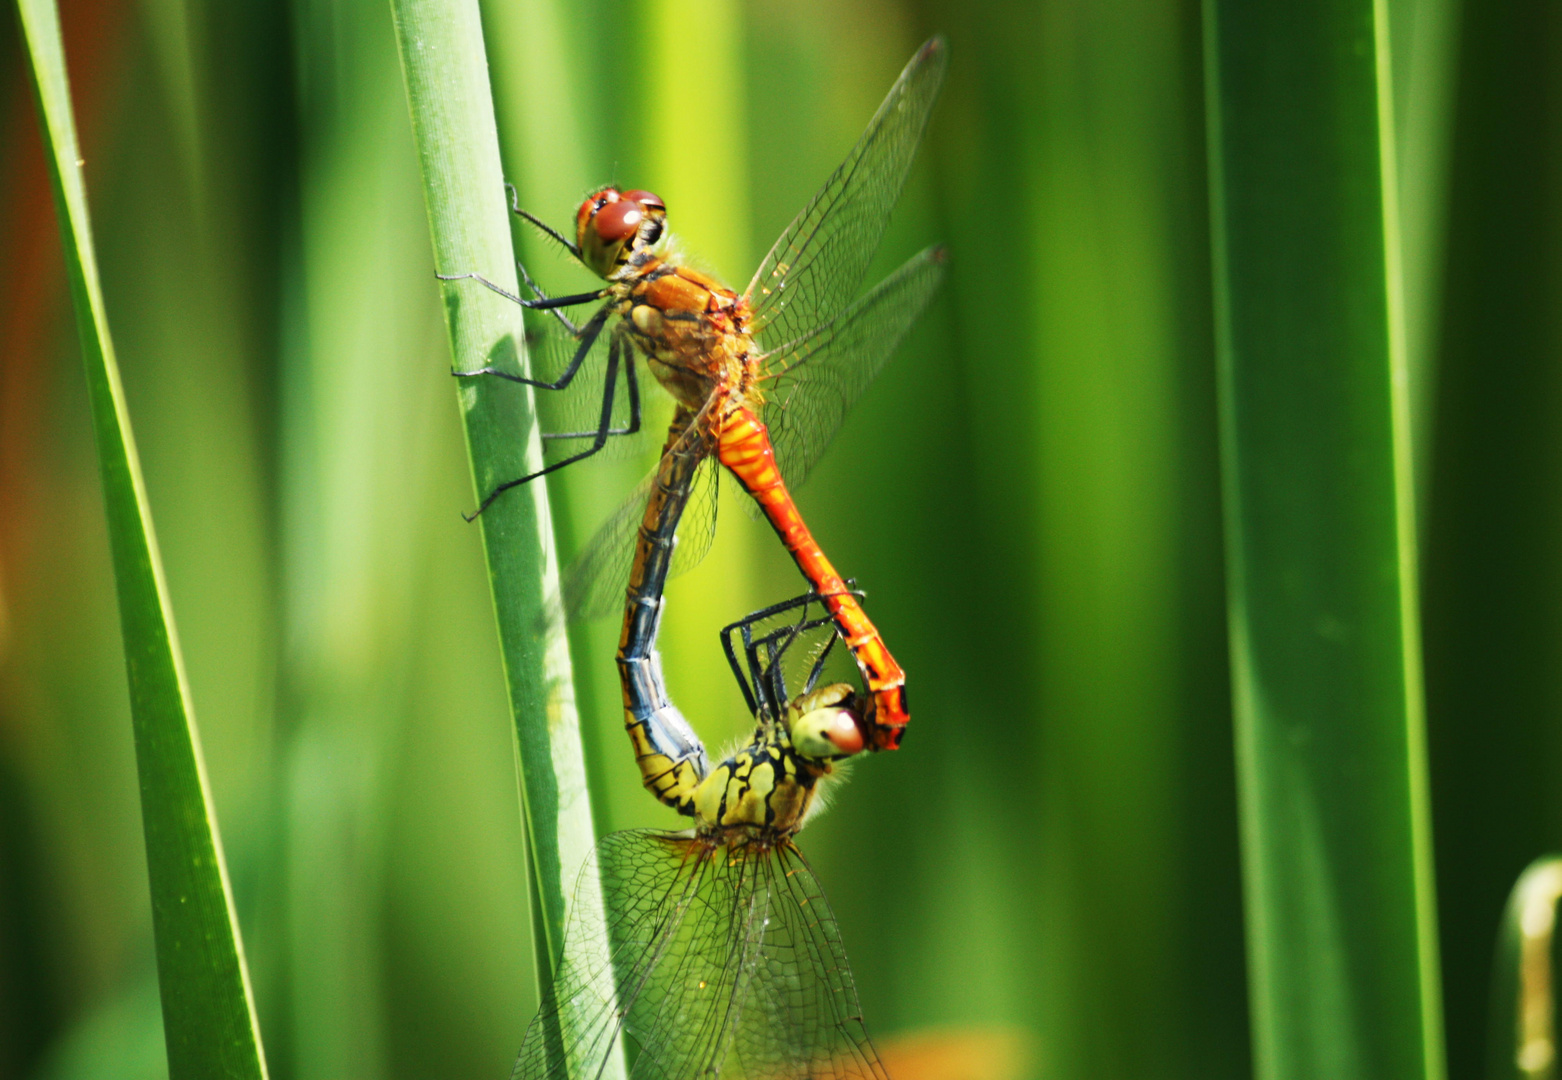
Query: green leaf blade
x=1320, y=543
x=208, y=1011
x=446, y=72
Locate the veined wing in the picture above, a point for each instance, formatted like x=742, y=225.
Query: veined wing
x=712, y=961
x=649, y=882
x=811, y=383
x=803, y=1018
x=818, y=263
x=595, y=581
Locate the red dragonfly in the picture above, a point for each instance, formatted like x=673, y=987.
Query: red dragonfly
x=762, y=380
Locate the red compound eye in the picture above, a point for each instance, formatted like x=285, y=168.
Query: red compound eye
x=617, y=220
x=594, y=202
x=646, y=199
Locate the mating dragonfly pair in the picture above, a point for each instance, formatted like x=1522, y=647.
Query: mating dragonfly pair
x=720, y=954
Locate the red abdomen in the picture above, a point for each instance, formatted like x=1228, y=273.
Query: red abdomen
x=744, y=448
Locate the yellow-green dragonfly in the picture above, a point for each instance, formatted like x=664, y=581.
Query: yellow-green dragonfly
x=719, y=955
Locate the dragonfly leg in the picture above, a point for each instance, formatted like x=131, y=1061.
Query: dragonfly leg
x=634, y=400
x=763, y=653
x=537, y=292
x=597, y=443
x=485, y=283
x=541, y=304
x=547, y=230
x=634, y=392
x=588, y=338
x=806, y=598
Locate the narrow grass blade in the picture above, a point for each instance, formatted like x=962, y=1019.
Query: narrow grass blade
x=1425, y=35
x=208, y=1015
x=1321, y=562
x=1523, y=1040
x=446, y=73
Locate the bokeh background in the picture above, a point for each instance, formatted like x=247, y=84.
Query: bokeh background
x=1030, y=494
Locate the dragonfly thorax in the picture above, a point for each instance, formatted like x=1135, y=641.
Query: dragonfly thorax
x=691, y=328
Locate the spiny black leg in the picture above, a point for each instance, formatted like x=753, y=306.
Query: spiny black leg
x=737, y=669
x=540, y=295
x=481, y=280
x=819, y=662
x=553, y=303
x=755, y=675
x=548, y=230
x=634, y=400
x=774, y=646
x=546, y=303
x=764, y=672
x=598, y=444
x=778, y=641
x=588, y=338
x=776, y=672
x=543, y=304
x=785, y=605
x=634, y=392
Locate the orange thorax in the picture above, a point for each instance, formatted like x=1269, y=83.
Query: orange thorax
x=694, y=332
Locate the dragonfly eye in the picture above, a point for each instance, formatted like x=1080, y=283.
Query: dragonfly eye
x=617, y=221
x=599, y=230
x=610, y=221
x=647, y=199
x=828, y=726
x=592, y=203
x=654, y=214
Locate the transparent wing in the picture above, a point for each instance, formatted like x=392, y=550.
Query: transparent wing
x=712, y=961
x=811, y=383
x=649, y=882
x=803, y=1019
x=578, y=407
x=596, y=580
x=817, y=264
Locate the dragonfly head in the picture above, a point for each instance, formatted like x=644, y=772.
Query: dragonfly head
x=824, y=723
x=612, y=225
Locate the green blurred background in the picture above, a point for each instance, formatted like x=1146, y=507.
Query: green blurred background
x=1029, y=492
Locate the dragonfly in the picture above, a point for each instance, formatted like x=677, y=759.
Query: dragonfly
x=670, y=756
x=719, y=954
x=761, y=380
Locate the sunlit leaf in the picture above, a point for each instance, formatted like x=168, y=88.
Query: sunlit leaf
x=1320, y=543
x=208, y=1017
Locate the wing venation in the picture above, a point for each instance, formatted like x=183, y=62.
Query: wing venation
x=817, y=264
x=813, y=382
x=712, y=960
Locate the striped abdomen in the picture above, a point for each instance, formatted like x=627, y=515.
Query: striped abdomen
x=670, y=755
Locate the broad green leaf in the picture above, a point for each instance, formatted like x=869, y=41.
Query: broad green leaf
x=1320, y=542
x=208, y=1016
